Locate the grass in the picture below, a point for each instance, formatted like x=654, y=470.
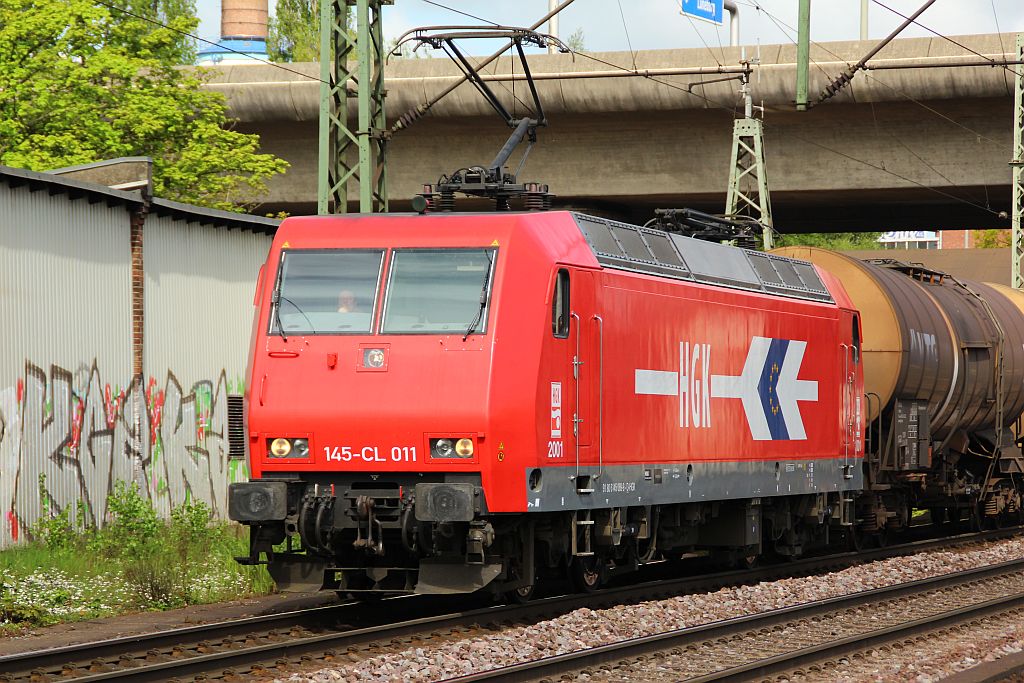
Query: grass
x=136, y=562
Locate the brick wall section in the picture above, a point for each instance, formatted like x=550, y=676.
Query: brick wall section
x=957, y=239
x=138, y=277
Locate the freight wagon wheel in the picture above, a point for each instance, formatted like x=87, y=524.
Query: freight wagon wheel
x=976, y=517
x=587, y=573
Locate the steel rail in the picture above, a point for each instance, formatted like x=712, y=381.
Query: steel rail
x=995, y=671
x=58, y=656
x=730, y=628
x=84, y=654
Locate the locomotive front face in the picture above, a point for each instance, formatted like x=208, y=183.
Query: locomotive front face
x=375, y=361
x=369, y=406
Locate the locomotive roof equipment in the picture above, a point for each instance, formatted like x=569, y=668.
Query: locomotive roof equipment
x=738, y=232
x=491, y=181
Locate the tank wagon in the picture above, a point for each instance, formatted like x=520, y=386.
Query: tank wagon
x=944, y=385
x=445, y=403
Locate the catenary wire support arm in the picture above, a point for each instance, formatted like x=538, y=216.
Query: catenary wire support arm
x=1017, y=163
x=835, y=86
x=748, y=196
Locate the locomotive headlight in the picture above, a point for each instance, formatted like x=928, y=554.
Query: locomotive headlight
x=301, y=448
x=280, y=448
x=452, y=447
x=373, y=358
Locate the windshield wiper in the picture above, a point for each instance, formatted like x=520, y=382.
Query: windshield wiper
x=275, y=300
x=483, y=297
x=312, y=327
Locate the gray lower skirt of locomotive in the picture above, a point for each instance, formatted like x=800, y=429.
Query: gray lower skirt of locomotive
x=552, y=489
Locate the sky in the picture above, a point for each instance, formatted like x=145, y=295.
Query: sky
x=611, y=25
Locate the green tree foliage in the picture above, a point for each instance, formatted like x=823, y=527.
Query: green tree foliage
x=837, y=241
x=992, y=239
x=576, y=41
x=80, y=82
x=293, y=35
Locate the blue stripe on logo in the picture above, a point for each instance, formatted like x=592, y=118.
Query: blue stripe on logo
x=767, y=389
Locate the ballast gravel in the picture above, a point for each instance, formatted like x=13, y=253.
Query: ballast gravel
x=586, y=628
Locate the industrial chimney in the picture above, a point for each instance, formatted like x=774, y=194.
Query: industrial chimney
x=243, y=34
x=243, y=19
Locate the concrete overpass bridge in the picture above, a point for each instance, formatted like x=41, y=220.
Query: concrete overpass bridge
x=902, y=148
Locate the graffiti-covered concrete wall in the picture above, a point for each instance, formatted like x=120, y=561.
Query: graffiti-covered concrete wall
x=74, y=418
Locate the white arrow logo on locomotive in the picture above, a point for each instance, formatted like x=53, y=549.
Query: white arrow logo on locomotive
x=768, y=387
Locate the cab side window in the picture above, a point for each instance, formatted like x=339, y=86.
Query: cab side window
x=856, y=340
x=560, y=305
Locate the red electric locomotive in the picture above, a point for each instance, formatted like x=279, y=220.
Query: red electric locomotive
x=443, y=403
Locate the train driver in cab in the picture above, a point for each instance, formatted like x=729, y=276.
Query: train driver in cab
x=347, y=302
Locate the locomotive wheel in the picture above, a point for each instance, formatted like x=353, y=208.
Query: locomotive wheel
x=747, y=562
x=855, y=539
x=520, y=596
x=587, y=573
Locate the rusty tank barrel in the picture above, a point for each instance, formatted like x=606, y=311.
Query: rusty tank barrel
x=930, y=338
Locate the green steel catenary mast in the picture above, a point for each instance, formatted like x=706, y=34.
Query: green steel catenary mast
x=352, y=66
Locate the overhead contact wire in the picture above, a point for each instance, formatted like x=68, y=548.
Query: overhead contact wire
x=871, y=76
x=940, y=35
x=883, y=169
x=465, y=14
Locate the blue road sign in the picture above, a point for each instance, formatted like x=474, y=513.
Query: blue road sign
x=708, y=10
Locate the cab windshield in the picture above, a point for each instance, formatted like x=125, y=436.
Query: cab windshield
x=326, y=292
x=438, y=290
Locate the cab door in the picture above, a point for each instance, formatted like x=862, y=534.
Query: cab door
x=850, y=415
x=585, y=359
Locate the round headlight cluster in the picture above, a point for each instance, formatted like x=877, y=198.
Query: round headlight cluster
x=288, y=448
x=452, y=447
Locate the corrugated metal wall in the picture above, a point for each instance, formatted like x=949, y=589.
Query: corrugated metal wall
x=65, y=352
x=73, y=419
x=198, y=315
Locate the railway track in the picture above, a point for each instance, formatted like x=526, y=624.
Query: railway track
x=272, y=645
x=785, y=643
